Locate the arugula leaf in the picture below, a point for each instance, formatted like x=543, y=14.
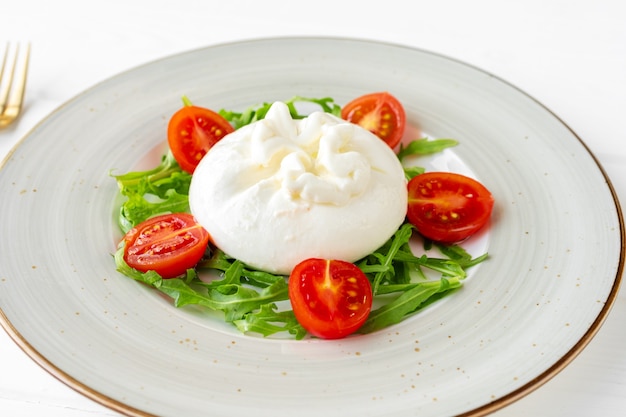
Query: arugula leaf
x=158, y=180
x=395, y=269
x=425, y=146
x=409, y=302
x=163, y=189
x=256, y=113
x=221, y=262
x=422, y=146
x=138, y=208
x=395, y=263
x=151, y=277
x=227, y=295
x=381, y=262
x=460, y=256
x=267, y=321
x=237, y=300
x=410, y=172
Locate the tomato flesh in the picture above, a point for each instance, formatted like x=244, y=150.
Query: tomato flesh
x=192, y=131
x=380, y=113
x=330, y=298
x=448, y=207
x=168, y=244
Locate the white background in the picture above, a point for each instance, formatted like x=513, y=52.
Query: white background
x=568, y=54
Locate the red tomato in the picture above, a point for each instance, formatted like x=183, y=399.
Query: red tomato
x=330, y=298
x=448, y=207
x=380, y=113
x=192, y=131
x=168, y=244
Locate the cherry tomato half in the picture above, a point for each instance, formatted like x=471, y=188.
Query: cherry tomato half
x=192, y=131
x=448, y=207
x=380, y=113
x=330, y=298
x=168, y=244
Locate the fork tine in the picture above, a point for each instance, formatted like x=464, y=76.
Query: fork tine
x=4, y=88
x=11, y=105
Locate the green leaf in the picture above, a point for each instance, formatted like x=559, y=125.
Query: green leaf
x=425, y=146
x=326, y=104
x=419, y=147
x=151, y=278
x=267, y=321
x=233, y=299
x=220, y=262
x=256, y=113
x=182, y=294
x=232, y=275
x=237, y=300
x=381, y=262
x=138, y=208
x=459, y=255
x=407, y=303
x=414, y=171
x=132, y=180
x=163, y=189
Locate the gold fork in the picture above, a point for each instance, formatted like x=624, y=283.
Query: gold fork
x=12, y=93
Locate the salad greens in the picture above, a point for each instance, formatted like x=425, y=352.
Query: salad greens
x=163, y=189
x=256, y=113
x=253, y=300
x=422, y=147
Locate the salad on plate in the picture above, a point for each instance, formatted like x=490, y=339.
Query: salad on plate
x=300, y=222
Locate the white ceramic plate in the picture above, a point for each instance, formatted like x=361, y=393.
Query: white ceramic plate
x=556, y=246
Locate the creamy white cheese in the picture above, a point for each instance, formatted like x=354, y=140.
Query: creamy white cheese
x=279, y=191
